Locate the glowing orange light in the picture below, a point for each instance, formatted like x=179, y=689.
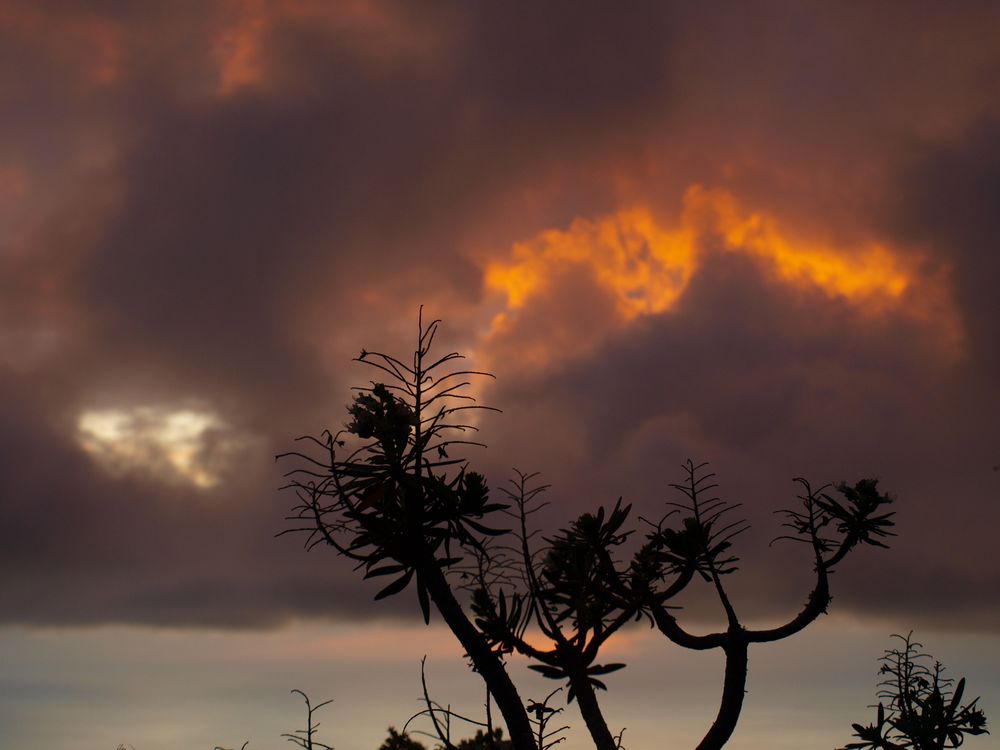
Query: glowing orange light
x=644, y=266
x=92, y=44
x=367, y=30
x=867, y=272
x=647, y=267
x=238, y=49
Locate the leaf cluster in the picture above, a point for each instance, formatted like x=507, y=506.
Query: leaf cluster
x=834, y=526
x=379, y=490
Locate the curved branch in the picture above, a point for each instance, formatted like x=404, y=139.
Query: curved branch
x=815, y=606
x=668, y=625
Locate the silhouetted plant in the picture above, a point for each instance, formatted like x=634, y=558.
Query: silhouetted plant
x=306, y=738
x=441, y=717
x=385, y=493
x=542, y=715
x=400, y=741
x=569, y=588
x=918, y=709
x=480, y=741
x=488, y=736
x=485, y=741
x=578, y=594
x=387, y=502
x=830, y=527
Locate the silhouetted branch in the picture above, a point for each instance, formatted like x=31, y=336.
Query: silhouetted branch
x=306, y=738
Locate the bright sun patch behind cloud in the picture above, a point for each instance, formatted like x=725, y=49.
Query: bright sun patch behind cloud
x=172, y=445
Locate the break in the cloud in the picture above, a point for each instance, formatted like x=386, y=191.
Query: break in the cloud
x=170, y=444
x=207, y=209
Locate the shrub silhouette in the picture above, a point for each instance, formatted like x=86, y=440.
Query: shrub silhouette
x=480, y=741
x=386, y=493
x=918, y=709
x=485, y=741
x=400, y=741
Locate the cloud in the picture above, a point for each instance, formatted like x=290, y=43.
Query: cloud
x=208, y=210
x=944, y=198
x=184, y=444
x=768, y=381
x=644, y=268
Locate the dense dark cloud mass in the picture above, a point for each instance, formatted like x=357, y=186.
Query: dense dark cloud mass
x=767, y=385
x=206, y=211
x=946, y=198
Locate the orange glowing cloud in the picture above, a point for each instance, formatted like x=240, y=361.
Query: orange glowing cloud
x=84, y=42
x=870, y=273
x=369, y=31
x=646, y=267
x=237, y=48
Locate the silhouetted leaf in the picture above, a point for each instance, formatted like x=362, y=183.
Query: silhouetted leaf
x=396, y=586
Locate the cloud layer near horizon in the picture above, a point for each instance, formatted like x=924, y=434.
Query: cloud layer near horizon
x=761, y=238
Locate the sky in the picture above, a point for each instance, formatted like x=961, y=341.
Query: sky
x=760, y=235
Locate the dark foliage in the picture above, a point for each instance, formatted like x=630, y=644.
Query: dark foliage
x=400, y=741
x=919, y=707
x=386, y=493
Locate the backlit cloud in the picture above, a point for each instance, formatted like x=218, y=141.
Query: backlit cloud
x=188, y=445
x=87, y=44
x=647, y=266
x=760, y=236
x=246, y=48
x=644, y=265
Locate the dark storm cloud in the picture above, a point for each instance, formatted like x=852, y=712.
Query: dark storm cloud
x=80, y=546
x=227, y=212
x=224, y=247
x=232, y=206
x=562, y=73
x=769, y=382
x=946, y=196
